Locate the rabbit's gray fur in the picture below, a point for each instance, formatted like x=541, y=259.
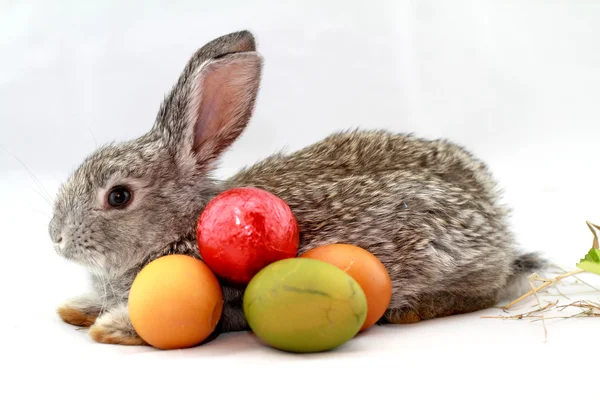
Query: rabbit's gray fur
x=428, y=209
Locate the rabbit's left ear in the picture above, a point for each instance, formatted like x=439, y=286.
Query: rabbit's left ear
x=213, y=100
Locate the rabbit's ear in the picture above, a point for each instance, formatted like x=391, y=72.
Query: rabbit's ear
x=213, y=100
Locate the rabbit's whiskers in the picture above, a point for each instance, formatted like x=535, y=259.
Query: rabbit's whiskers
x=46, y=196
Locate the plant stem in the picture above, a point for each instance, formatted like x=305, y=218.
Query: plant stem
x=592, y=226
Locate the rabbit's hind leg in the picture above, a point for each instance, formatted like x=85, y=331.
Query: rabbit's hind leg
x=440, y=304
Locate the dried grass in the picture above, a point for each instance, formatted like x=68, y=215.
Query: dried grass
x=553, y=309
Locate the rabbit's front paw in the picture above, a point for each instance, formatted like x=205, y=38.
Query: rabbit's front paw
x=80, y=311
x=115, y=327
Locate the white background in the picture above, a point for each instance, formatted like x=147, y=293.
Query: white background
x=517, y=82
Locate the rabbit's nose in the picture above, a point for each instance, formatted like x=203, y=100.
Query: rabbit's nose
x=55, y=231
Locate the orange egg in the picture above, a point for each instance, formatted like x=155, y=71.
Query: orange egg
x=175, y=302
x=366, y=269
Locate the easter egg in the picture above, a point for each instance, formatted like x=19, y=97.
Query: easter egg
x=366, y=269
x=302, y=305
x=175, y=302
x=242, y=230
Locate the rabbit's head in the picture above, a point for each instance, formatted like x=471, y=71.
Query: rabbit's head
x=131, y=198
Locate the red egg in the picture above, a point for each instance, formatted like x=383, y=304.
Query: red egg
x=243, y=230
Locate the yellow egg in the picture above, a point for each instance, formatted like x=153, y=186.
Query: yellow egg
x=175, y=302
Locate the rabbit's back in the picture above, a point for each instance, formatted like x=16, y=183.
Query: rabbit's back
x=427, y=209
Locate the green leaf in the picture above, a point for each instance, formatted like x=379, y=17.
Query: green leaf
x=591, y=262
x=593, y=255
x=590, y=266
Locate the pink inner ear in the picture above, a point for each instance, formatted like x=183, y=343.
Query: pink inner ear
x=226, y=90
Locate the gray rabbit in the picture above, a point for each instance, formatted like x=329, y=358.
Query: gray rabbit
x=428, y=209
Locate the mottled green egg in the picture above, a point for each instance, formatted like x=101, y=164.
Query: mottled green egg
x=303, y=305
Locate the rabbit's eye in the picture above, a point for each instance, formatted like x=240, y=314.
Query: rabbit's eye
x=119, y=197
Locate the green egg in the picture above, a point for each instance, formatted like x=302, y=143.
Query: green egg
x=303, y=305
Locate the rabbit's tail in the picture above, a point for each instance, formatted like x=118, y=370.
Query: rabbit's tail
x=523, y=266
